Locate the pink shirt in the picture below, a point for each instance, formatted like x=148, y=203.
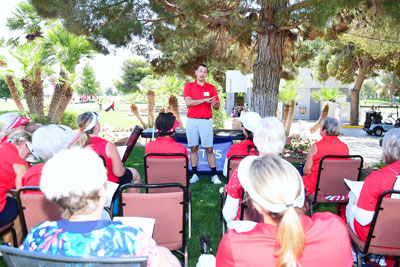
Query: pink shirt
x=258, y=247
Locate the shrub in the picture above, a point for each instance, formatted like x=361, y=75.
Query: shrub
x=69, y=119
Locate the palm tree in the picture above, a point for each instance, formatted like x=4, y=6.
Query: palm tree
x=69, y=49
x=288, y=95
x=329, y=96
x=36, y=59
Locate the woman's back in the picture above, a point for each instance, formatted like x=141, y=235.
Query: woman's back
x=258, y=247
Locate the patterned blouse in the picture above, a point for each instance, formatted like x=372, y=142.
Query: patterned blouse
x=89, y=238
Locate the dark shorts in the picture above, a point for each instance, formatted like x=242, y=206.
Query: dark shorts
x=10, y=211
x=126, y=178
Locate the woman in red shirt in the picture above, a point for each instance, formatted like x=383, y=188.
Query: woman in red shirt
x=328, y=145
x=116, y=172
x=287, y=237
x=246, y=147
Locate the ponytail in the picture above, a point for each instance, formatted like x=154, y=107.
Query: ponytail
x=290, y=237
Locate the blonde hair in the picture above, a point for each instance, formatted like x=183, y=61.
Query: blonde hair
x=84, y=120
x=18, y=137
x=276, y=181
x=82, y=141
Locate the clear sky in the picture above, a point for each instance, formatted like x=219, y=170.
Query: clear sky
x=107, y=67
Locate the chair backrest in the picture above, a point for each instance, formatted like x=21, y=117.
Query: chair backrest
x=332, y=171
x=166, y=168
x=17, y=257
x=233, y=163
x=168, y=209
x=247, y=210
x=35, y=208
x=384, y=230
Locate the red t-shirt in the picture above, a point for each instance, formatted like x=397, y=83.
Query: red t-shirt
x=258, y=247
x=32, y=176
x=241, y=149
x=99, y=146
x=165, y=145
x=328, y=145
x=373, y=186
x=8, y=157
x=235, y=190
x=196, y=91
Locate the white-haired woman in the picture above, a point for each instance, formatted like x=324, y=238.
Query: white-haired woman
x=88, y=123
x=9, y=123
x=359, y=212
x=75, y=179
x=269, y=138
x=328, y=145
x=46, y=141
x=287, y=237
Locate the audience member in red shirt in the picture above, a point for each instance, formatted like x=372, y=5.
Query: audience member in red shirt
x=117, y=173
x=246, y=147
x=270, y=139
x=328, y=145
x=166, y=124
x=287, y=237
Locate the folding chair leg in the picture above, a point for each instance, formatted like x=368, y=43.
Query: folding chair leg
x=190, y=218
x=311, y=207
x=359, y=264
x=14, y=237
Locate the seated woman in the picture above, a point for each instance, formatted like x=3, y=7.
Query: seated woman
x=269, y=138
x=359, y=212
x=166, y=124
x=246, y=147
x=9, y=123
x=116, y=172
x=75, y=179
x=47, y=140
x=328, y=145
x=13, y=166
x=287, y=237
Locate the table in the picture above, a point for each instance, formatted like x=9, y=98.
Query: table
x=181, y=133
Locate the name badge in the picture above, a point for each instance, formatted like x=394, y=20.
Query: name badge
x=206, y=93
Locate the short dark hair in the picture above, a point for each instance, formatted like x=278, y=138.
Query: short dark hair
x=202, y=65
x=164, y=122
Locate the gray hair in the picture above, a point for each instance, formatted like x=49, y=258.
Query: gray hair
x=72, y=178
x=269, y=136
x=332, y=126
x=16, y=138
x=391, y=146
x=52, y=138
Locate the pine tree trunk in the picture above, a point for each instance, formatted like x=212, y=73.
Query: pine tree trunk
x=290, y=119
x=324, y=114
x=285, y=114
x=268, y=65
x=355, y=97
x=14, y=93
x=64, y=101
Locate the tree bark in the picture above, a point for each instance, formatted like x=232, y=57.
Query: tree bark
x=268, y=65
x=355, y=97
x=285, y=114
x=290, y=119
x=59, y=90
x=14, y=93
x=64, y=101
x=324, y=114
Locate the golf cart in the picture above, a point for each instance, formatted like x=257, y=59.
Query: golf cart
x=373, y=122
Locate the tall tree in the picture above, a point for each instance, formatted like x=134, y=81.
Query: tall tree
x=87, y=84
x=133, y=71
x=391, y=83
x=269, y=25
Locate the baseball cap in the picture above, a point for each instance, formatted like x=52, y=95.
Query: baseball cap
x=250, y=120
x=15, y=120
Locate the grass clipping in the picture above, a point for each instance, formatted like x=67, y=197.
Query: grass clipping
x=150, y=107
x=135, y=111
x=174, y=108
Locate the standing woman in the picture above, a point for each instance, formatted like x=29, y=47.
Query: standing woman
x=13, y=153
x=287, y=237
x=116, y=172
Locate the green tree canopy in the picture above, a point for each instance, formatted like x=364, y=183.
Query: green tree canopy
x=133, y=71
x=4, y=90
x=87, y=84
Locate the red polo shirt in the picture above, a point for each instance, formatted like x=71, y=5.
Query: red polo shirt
x=258, y=247
x=196, y=91
x=241, y=149
x=32, y=176
x=373, y=186
x=165, y=145
x=8, y=157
